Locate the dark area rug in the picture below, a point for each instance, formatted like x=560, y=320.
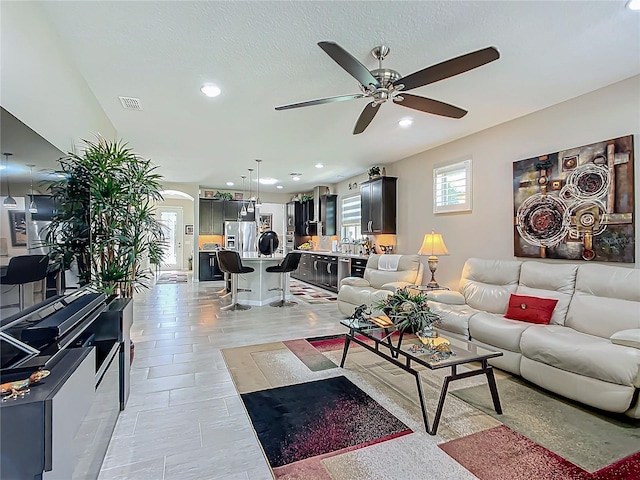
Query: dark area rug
x=315, y=418
x=575, y=433
x=172, y=278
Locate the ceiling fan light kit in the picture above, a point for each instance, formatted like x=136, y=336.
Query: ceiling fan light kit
x=383, y=84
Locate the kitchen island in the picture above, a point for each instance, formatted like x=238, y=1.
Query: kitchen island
x=260, y=281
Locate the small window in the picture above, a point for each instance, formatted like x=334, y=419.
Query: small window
x=350, y=218
x=452, y=188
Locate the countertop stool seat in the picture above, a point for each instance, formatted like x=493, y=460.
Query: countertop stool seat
x=289, y=264
x=229, y=262
x=25, y=269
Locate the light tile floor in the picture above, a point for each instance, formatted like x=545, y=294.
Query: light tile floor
x=184, y=419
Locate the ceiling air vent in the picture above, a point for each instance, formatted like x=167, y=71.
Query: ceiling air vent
x=130, y=103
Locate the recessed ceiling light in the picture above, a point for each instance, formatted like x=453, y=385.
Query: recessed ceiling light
x=633, y=5
x=295, y=176
x=268, y=181
x=2, y=167
x=279, y=187
x=319, y=165
x=405, y=122
x=210, y=90
x=229, y=184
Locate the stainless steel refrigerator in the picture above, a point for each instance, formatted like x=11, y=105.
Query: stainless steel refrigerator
x=241, y=236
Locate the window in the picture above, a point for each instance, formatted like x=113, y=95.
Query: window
x=350, y=218
x=452, y=188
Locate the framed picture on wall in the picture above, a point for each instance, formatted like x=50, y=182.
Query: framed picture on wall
x=18, y=228
x=238, y=196
x=188, y=229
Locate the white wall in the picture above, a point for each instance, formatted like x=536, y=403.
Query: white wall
x=41, y=85
x=487, y=231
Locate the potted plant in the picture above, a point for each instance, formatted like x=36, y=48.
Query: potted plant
x=107, y=194
x=374, y=171
x=408, y=311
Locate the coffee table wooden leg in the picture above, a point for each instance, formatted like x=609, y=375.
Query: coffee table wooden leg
x=347, y=341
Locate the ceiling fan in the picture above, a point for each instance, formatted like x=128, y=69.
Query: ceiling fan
x=384, y=84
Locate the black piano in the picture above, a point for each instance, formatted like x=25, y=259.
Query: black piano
x=61, y=428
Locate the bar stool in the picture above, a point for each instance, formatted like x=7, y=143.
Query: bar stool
x=289, y=264
x=229, y=262
x=25, y=269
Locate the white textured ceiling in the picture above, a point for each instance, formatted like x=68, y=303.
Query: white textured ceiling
x=264, y=54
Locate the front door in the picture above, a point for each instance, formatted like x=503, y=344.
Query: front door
x=171, y=219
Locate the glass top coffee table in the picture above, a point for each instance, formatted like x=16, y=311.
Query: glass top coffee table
x=405, y=354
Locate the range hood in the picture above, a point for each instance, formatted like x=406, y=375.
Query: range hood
x=318, y=191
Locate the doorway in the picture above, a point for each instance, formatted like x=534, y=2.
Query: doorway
x=171, y=219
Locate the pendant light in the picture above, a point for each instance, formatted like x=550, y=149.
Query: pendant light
x=33, y=208
x=9, y=203
x=250, y=208
x=243, y=210
x=258, y=201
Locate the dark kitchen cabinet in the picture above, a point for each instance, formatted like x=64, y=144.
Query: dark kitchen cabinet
x=213, y=214
x=378, y=205
x=328, y=214
x=358, y=266
x=208, y=268
x=309, y=227
x=303, y=272
x=295, y=221
x=320, y=270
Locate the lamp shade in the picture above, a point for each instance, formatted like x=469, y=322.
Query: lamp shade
x=433, y=244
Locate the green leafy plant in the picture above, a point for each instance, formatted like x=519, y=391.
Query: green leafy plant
x=306, y=197
x=408, y=310
x=107, y=195
x=374, y=171
x=223, y=196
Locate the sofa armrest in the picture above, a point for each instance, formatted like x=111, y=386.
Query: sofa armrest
x=355, y=281
x=447, y=297
x=627, y=338
x=394, y=286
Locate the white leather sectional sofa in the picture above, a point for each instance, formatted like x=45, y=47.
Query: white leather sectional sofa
x=590, y=351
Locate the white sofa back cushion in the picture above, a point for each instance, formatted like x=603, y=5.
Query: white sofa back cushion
x=547, y=280
x=606, y=300
x=408, y=268
x=487, y=284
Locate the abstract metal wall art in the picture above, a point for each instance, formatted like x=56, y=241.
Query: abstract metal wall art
x=576, y=204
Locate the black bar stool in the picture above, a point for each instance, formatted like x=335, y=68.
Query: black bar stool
x=25, y=269
x=229, y=262
x=289, y=264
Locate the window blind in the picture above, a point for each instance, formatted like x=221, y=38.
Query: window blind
x=452, y=187
x=351, y=211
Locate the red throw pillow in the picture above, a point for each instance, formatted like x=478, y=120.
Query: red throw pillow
x=531, y=309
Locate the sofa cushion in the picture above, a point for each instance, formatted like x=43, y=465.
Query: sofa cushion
x=408, y=268
x=446, y=296
x=453, y=318
x=548, y=280
x=627, y=338
x=606, y=300
x=583, y=354
x=493, y=329
x=358, y=295
x=531, y=309
x=487, y=284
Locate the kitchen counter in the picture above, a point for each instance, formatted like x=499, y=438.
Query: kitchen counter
x=260, y=282
x=333, y=254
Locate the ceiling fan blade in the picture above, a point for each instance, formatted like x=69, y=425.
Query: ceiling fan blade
x=365, y=118
x=449, y=68
x=320, y=101
x=349, y=63
x=429, y=105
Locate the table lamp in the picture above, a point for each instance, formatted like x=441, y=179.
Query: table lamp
x=433, y=245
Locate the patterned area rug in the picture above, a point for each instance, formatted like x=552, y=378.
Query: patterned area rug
x=310, y=294
x=172, y=278
x=574, y=432
x=300, y=421
x=499, y=453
